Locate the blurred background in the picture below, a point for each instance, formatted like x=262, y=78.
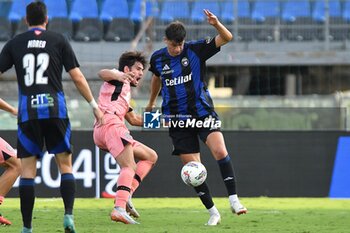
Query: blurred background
x=287, y=68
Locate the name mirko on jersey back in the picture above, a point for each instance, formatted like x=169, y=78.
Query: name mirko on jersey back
x=36, y=44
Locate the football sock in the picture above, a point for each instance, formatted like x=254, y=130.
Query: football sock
x=213, y=210
x=67, y=189
x=123, y=186
x=204, y=194
x=227, y=174
x=27, y=196
x=1, y=199
x=233, y=198
x=142, y=169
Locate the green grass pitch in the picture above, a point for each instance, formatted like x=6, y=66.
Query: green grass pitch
x=180, y=215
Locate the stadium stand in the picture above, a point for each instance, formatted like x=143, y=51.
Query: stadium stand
x=118, y=25
x=244, y=20
x=17, y=14
x=296, y=20
x=335, y=19
x=5, y=25
x=171, y=10
x=58, y=18
x=200, y=28
x=86, y=22
x=265, y=14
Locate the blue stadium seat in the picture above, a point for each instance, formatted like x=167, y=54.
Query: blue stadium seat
x=318, y=13
x=197, y=14
x=228, y=10
x=265, y=10
x=118, y=25
x=295, y=9
x=199, y=19
x=18, y=10
x=336, y=32
x=56, y=9
x=171, y=10
x=58, y=18
x=296, y=20
x=152, y=10
x=244, y=18
x=346, y=11
x=88, y=26
x=83, y=9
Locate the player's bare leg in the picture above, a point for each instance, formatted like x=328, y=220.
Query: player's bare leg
x=7, y=179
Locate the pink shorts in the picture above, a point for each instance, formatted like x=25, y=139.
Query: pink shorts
x=6, y=151
x=113, y=138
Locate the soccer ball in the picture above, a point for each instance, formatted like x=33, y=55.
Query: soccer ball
x=193, y=173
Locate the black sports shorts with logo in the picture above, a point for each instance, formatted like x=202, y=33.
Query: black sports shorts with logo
x=32, y=135
x=185, y=140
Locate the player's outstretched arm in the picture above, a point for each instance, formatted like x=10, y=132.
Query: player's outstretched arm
x=114, y=74
x=224, y=35
x=155, y=89
x=8, y=107
x=134, y=119
x=84, y=89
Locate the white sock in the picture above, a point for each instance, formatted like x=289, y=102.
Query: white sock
x=233, y=198
x=213, y=210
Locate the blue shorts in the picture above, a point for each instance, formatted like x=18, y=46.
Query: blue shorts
x=32, y=135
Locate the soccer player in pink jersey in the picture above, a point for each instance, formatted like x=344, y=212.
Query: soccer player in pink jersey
x=8, y=159
x=113, y=135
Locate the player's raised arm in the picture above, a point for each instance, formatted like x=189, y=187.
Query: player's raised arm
x=84, y=89
x=114, y=74
x=134, y=119
x=155, y=89
x=224, y=35
x=7, y=107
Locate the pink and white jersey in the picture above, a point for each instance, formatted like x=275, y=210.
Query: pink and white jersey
x=114, y=98
x=6, y=149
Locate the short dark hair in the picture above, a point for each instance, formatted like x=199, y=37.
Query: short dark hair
x=36, y=13
x=175, y=31
x=130, y=58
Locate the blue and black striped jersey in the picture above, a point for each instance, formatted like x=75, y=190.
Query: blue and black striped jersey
x=184, y=91
x=39, y=57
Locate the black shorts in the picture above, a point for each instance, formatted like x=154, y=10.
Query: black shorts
x=31, y=136
x=186, y=141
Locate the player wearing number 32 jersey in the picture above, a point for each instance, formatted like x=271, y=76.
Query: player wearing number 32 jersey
x=39, y=57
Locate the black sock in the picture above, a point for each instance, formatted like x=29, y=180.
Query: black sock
x=27, y=196
x=204, y=194
x=227, y=174
x=68, y=192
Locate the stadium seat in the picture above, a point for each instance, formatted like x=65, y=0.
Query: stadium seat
x=296, y=23
x=18, y=10
x=118, y=25
x=201, y=28
x=346, y=11
x=266, y=13
x=245, y=31
x=17, y=14
x=171, y=10
x=87, y=24
x=152, y=10
x=58, y=18
x=336, y=32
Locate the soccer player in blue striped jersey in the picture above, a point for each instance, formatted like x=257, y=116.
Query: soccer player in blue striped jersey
x=178, y=71
x=39, y=57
